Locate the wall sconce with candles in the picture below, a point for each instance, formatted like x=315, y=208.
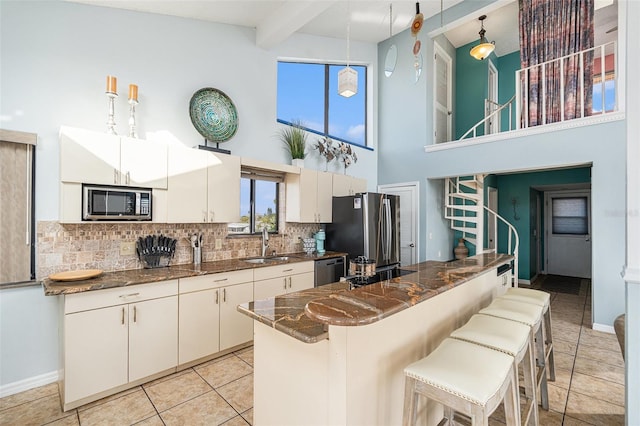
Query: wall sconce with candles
x=348, y=77
x=112, y=94
x=133, y=101
x=484, y=48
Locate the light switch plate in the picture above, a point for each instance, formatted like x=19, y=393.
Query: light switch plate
x=127, y=248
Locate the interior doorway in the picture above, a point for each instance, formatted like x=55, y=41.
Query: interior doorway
x=408, y=193
x=493, y=125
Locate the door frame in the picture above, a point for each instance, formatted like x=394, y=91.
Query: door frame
x=438, y=50
x=414, y=187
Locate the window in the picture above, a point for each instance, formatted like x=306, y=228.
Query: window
x=309, y=93
x=570, y=216
x=258, y=203
x=16, y=196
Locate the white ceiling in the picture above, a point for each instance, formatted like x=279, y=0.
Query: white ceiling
x=275, y=21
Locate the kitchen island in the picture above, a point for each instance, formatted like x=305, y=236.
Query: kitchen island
x=335, y=356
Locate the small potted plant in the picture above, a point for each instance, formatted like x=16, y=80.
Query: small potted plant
x=294, y=138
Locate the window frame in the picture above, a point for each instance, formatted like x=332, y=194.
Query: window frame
x=252, y=178
x=325, y=133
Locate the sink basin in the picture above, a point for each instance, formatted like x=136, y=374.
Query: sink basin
x=260, y=260
x=256, y=260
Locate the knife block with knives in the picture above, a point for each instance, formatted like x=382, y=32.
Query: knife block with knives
x=155, y=251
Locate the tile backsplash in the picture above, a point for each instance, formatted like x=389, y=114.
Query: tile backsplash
x=64, y=247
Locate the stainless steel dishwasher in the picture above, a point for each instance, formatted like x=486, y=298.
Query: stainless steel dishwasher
x=329, y=270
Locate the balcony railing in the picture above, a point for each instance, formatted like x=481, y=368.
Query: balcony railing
x=604, y=95
x=541, y=99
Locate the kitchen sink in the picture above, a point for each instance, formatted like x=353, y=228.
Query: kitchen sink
x=260, y=260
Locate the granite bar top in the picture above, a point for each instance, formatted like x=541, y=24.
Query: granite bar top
x=306, y=315
x=144, y=276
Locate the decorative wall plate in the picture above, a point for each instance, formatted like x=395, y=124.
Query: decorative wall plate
x=213, y=114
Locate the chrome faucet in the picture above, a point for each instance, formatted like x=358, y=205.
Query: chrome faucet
x=265, y=241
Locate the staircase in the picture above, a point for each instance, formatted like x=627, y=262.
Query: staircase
x=464, y=208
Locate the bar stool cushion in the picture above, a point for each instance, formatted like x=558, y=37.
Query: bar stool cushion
x=506, y=336
x=454, y=367
x=527, y=295
x=526, y=313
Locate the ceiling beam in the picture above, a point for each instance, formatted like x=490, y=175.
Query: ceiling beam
x=286, y=20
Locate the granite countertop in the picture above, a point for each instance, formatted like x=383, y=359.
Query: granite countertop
x=144, y=276
x=305, y=315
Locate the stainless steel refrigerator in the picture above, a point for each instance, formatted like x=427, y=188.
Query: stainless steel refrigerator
x=366, y=224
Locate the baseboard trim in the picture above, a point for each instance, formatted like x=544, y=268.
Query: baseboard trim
x=29, y=383
x=525, y=282
x=604, y=328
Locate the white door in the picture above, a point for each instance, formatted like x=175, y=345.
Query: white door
x=442, y=95
x=492, y=125
x=568, y=233
x=408, y=193
x=491, y=219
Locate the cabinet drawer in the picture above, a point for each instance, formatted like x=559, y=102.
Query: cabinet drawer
x=117, y=296
x=282, y=270
x=204, y=282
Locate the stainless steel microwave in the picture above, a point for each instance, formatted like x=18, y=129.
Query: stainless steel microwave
x=102, y=202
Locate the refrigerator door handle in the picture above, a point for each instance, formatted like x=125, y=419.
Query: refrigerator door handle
x=386, y=248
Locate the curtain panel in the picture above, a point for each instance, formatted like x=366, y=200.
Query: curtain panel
x=556, y=89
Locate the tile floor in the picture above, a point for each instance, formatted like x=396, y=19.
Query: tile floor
x=589, y=386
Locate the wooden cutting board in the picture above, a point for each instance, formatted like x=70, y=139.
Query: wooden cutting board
x=82, y=274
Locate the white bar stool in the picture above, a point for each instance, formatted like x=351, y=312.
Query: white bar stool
x=465, y=378
x=510, y=337
x=531, y=315
x=543, y=299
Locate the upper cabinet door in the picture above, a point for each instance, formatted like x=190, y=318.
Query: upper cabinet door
x=223, y=178
x=143, y=163
x=187, y=185
x=89, y=157
x=324, y=198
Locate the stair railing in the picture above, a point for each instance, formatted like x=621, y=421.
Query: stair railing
x=474, y=130
x=513, y=240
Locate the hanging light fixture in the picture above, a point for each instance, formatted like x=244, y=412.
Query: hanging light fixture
x=348, y=77
x=484, y=48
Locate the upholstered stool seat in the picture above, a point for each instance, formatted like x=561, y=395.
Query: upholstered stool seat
x=466, y=378
x=543, y=299
x=531, y=315
x=512, y=338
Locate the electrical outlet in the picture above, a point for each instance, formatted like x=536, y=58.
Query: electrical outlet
x=127, y=248
x=439, y=254
x=218, y=244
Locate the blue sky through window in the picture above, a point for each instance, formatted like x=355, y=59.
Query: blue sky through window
x=301, y=92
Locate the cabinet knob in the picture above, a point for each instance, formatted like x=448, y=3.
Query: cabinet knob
x=285, y=282
x=122, y=316
x=115, y=176
x=216, y=297
x=135, y=313
x=211, y=215
x=224, y=294
x=128, y=178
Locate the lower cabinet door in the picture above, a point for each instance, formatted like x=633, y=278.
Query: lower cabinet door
x=199, y=324
x=235, y=328
x=95, y=351
x=264, y=289
x=300, y=282
x=153, y=336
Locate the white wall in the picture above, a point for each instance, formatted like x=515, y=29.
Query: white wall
x=55, y=57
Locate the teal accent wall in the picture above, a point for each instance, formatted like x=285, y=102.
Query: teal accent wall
x=471, y=89
x=507, y=66
x=522, y=215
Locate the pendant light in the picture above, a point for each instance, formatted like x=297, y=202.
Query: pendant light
x=348, y=77
x=484, y=48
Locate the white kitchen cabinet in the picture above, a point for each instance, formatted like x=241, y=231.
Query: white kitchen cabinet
x=208, y=319
x=187, y=186
x=223, y=188
x=153, y=336
x=288, y=278
x=203, y=186
x=117, y=336
x=344, y=185
x=100, y=158
x=96, y=354
x=309, y=196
